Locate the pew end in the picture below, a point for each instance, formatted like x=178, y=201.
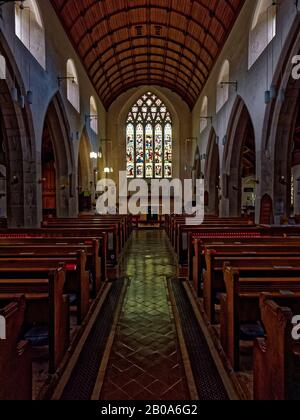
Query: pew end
x=15, y=360
x=275, y=362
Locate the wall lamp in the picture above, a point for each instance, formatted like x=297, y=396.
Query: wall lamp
x=61, y=79
x=15, y=180
x=235, y=84
x=282, y=180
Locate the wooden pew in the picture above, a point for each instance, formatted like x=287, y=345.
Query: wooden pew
x=231, y=247
x=46, y=305
x=240, y=304
x=15, y=361
x=112, y=251
x=213, y=278
x=77, y=278
x=196, y=239
x=99, y=247
x=42, y=250
x=123, y=223
x=277, y=357
x=115, y=233
x=219, y=230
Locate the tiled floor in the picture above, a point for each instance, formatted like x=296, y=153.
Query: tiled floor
x=145, y=363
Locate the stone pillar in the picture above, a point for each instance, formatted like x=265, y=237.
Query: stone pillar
x=296, y=175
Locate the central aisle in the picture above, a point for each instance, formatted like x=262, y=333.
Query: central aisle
x=145, y=362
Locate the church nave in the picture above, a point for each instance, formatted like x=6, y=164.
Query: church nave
x=149, y=200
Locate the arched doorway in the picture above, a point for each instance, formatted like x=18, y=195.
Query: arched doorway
x=48, y=174
x=86, y=187
x=266, y=210
x=212, y=175
x=240, y=158
x=58, y=186
x=280, y=146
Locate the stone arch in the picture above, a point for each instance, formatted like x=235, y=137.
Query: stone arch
x=287, y=152
x=56, y=134
x=212, y=174
x=239, y=162
x=19, y=147
x=279, y=131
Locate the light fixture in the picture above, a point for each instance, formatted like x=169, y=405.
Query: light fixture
x=15, y=180
x=267, y=97
x=100, y=153
x=93, y=155
x=22, y=101
x=29, y=97
x=60, y=79
x=282, y=180
x=235, y=84
x=14, y=94
x=106, y=170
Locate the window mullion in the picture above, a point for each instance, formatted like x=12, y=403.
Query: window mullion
x=134, y=163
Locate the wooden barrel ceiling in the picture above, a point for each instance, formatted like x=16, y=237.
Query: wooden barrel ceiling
x=130, y=43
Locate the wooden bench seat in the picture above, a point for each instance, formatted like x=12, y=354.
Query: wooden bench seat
x=77, y=278
x=59, y=251
x=124, y=227
x=112, y=243
x=241, y=303
x=80, y=243
x=46, y=306
x=231, y=247
x=210, y=231
x=213, y=279
x=15, y=361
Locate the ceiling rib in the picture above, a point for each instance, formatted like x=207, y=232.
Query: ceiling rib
x=168, y=43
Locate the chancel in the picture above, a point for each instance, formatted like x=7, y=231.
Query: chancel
x=149, y=201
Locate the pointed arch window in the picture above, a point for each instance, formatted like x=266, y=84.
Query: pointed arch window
x=29, y=29
x=203, y=115
x=263, y=29
x=149, y=139
x=223, y=86
x=73, y=93
x=94, y=115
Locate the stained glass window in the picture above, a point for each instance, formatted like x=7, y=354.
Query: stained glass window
x=149, y=139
